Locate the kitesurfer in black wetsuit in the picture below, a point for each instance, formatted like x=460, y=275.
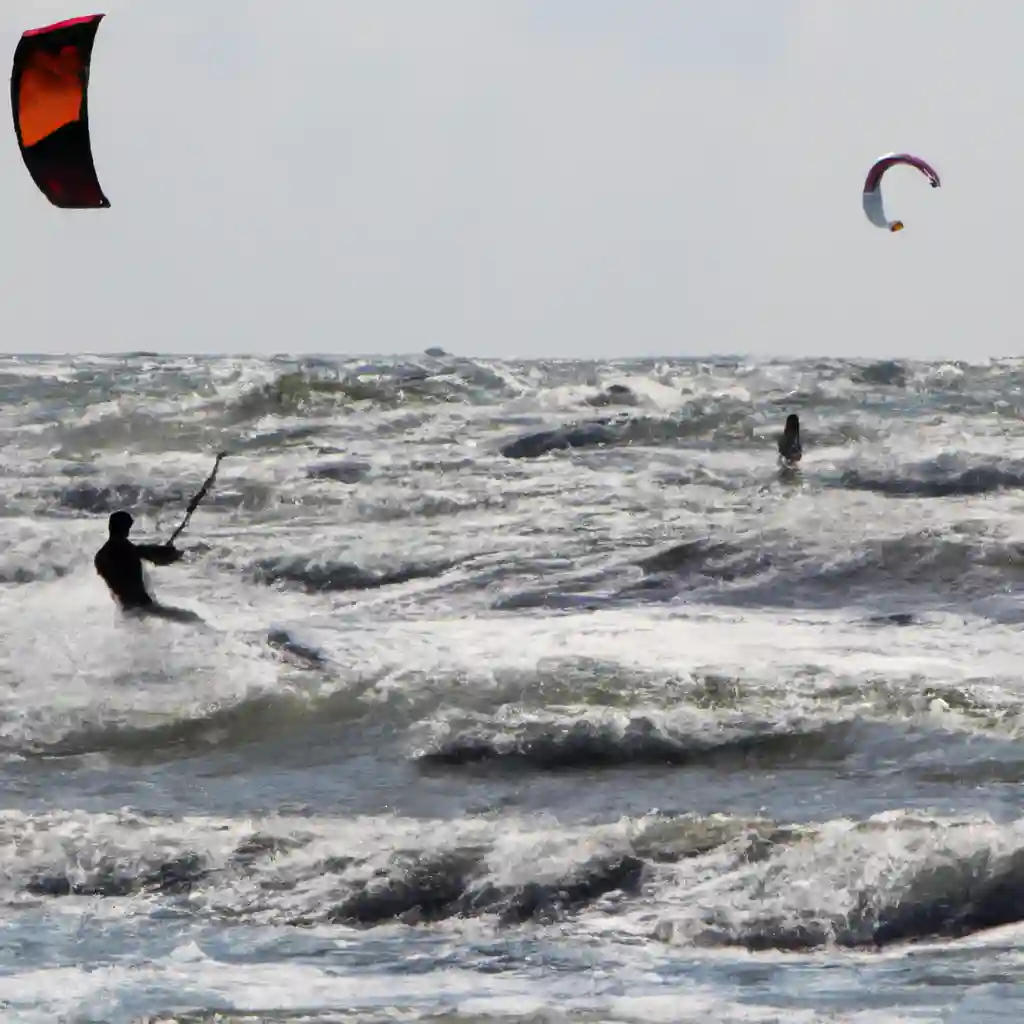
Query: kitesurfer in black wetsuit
x=789, y=443
x=119, y=562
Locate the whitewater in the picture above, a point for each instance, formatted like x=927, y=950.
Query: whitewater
x=525, y=691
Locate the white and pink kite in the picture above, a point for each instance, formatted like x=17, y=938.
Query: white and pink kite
x=873, y=209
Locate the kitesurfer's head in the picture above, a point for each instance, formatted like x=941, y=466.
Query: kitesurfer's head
x=120, y=525
x=792, y=424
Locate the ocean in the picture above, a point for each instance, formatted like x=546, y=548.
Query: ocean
x=524, y=691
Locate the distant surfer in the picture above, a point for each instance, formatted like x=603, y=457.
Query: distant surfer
x=119, y=563
x=790, y=450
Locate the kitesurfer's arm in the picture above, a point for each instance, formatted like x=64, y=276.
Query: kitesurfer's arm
x=158, y=554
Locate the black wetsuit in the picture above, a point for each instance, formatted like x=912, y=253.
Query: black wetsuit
x=789, y=444
x=790, y=450
x=119, y=562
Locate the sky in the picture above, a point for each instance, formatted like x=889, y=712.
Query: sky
x=530, y=178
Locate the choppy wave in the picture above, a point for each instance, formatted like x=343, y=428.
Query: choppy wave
x=517, y=686
x=954, y=878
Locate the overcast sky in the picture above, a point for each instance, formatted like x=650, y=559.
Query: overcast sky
x=530, y=177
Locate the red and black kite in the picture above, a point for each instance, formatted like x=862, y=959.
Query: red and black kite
x=49, y=98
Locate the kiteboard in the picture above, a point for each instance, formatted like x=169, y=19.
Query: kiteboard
x=167, y=612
